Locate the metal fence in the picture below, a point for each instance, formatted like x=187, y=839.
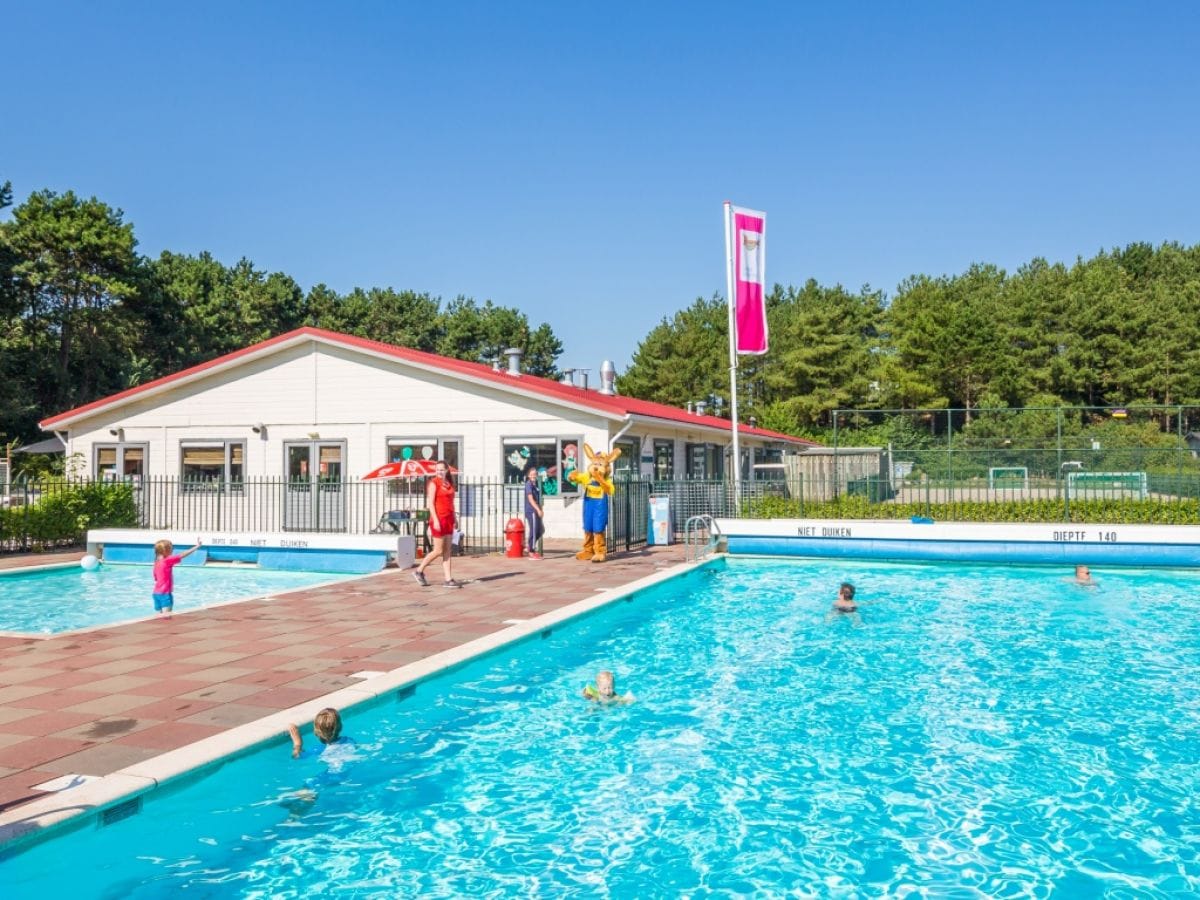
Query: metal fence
x=48, y=514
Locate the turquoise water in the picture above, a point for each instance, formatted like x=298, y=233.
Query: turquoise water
x=983, y=731
x=48, y=601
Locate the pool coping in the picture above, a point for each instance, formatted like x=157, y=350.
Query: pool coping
x=48, y=817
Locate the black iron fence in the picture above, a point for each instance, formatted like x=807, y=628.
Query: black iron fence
x=48, y=514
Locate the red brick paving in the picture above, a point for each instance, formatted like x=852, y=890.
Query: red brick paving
x=94, y=702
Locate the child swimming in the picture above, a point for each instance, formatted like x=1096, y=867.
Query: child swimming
x=605, y=690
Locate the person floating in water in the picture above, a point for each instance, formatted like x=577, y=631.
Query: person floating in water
x=1084, y=576
x=845, y=605
x=845, y=599
x=605, y=690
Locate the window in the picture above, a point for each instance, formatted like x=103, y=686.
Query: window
x=555, y=457
x=705, y=462
x=432, y=449
x=627, y=465
x=212, y=465
x=114, y=462
x=664, y=460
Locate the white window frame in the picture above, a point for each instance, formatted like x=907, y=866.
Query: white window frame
x=226, y=482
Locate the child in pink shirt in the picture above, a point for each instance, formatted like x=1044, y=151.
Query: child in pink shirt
x=164, y=575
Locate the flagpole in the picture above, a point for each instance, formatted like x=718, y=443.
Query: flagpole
x=733, y=395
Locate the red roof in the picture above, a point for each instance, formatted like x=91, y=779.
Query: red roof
x=614, y=405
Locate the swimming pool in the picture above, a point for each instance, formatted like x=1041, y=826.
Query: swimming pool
x=996, y=730
x=52, y=600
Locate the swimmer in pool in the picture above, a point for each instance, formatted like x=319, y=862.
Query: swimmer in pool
x=604, y=691
x=1083, y=576
x=845, y=605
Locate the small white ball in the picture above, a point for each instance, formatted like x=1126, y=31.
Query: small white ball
x=89, y=563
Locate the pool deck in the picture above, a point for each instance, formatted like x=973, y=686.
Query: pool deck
x=95, y=702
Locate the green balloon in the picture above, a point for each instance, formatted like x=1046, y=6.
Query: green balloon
x=406, y=453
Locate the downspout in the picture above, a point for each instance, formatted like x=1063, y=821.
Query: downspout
x=624, y=428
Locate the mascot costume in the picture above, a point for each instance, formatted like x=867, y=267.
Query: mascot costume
x=596, y=488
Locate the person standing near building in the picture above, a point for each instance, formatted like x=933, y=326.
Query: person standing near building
x=439, y=498
x=534, y=513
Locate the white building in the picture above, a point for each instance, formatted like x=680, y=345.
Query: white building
x=317, y=407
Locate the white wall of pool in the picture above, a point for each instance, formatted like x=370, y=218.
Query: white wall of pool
x=1067, y=543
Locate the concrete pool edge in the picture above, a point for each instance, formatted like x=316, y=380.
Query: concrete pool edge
x=88, y=804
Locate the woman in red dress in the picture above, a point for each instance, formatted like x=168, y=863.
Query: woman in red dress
x=439, y=498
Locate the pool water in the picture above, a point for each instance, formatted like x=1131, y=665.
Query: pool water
x=47, y=601
x=981, y=731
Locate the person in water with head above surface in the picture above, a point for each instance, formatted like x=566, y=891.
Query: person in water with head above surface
x=845, y=605
x=605, y=690
x=1083, y=576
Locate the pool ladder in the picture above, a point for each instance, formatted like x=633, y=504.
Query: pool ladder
x=700, y=537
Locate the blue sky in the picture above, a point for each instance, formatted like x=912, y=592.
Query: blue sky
x=570, y=159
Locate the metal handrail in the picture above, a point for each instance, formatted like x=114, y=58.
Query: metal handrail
x=692, y=547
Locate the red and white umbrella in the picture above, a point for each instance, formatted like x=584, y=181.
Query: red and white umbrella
x=405, y=468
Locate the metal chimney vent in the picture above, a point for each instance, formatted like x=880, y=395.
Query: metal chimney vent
x=568, y=377
x=514, y=360
x=700, y=407
x=584, y=373
x=608, y=377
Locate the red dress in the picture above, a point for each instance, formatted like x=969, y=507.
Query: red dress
x=443, y=509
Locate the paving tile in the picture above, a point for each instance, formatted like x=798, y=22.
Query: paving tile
x=45, y=723
x=220, y=673
x=324, y=683
x=230, y=715
x=101, y=759
x=62, y=699
x=118, y=667
x=119, y=684
x=111, y=704
x=211, y=658
x=21, y=674
x=225, y=692
x=13, y=714
x=34, y=752
x=168, y=687
x=18, y=788
x=283, y=697
x=168, y=735
x=110, y=728
x=171, y=708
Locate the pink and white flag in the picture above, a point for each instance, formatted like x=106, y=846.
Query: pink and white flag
x=749, y=233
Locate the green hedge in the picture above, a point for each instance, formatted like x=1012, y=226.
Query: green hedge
x=63, y=514
x=1115, y=512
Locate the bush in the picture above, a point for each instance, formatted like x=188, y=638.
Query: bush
x=64, y=512
x=1115, y=512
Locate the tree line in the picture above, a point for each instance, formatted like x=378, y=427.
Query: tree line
x=1121, y=328
x=84, y=315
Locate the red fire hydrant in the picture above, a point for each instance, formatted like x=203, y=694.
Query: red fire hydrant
x=514, y=538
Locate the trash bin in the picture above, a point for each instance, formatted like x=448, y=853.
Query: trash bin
x=661, y=531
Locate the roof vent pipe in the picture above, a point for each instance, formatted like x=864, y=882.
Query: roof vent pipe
x=754, y=421
x=584, y=373
x=496, y=364
x=689, y=406
x=608, y=377
x=700, y=407
x=514, y=360
x=568, y=377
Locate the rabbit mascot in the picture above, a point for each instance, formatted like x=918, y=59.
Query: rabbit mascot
x=596, y=487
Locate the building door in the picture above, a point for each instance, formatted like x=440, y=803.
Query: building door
x=313, y=498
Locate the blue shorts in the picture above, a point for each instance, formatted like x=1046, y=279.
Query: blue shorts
x=163, y=601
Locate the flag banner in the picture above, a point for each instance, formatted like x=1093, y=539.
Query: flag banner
x=749, y=234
